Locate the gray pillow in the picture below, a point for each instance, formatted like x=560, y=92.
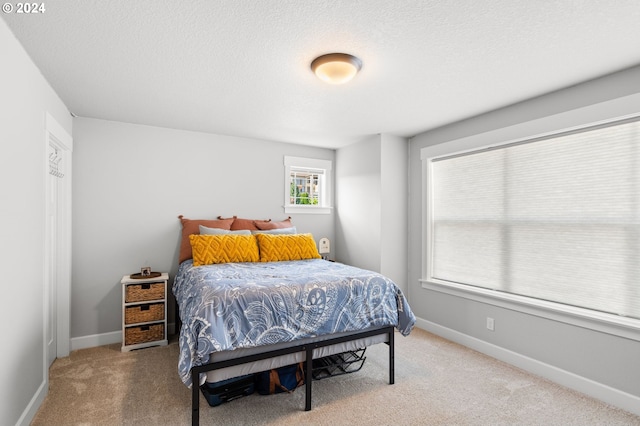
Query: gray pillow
x=291, y=230
x=217, y=231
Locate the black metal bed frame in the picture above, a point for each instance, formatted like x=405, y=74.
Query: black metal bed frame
x=306, y=347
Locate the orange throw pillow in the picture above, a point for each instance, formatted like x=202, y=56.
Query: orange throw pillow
x=192, y=226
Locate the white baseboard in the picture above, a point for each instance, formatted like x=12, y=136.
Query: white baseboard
x=94, y=340
x=615, y=397
x=38, y=398
x=102, y=339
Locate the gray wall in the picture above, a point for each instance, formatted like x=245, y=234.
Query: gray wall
x=358, y=198
x=130, y=184
x=371, y=206
x=595, y=355
x=393, y=225
x=26, y=97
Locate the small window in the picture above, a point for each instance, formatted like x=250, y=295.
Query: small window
x=307, y=185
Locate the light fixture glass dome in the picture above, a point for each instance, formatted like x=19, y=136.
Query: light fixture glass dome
x=336, y=68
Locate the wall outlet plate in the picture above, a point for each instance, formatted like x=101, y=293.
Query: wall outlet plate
x=491, y=324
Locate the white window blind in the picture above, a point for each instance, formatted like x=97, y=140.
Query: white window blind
x=556, y=219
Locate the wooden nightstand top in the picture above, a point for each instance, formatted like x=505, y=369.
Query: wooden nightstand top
x=128, y=280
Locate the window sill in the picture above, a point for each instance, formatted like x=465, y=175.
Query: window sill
x=308, y=209
x=628, y=328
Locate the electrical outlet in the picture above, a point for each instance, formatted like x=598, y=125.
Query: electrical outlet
x=491, y=323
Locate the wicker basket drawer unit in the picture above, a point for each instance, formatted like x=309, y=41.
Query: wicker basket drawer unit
x=144, y=311
x=144, y=292
x=143, y=334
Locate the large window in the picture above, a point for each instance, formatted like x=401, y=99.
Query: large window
x=307, y=183
x=554, y=219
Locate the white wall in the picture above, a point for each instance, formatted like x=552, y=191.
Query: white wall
x=25, y=100
x=130, y=184
x=371, y=201
x=358, y=199
x=394, y=207
x=595, y=362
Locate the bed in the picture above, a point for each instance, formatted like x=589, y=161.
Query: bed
x=275, y=302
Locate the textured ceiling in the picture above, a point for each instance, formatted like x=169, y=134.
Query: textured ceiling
x=241, y=67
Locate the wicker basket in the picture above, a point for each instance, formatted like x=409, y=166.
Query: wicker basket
x=144, y=313
x=143, y=334
x=145, y=291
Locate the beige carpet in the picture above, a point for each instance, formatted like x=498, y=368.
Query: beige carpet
x=437, y=383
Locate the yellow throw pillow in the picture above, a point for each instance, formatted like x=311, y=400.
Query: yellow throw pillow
x=276, y=247
x=209, y=249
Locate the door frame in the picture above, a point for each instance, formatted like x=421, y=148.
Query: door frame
x=56, y=135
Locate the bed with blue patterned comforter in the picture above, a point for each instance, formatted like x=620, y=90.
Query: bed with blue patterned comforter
x=243, y=305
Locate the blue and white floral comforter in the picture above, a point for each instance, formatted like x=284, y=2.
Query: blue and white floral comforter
x=243, y=305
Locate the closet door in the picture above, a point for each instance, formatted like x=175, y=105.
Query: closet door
x=57, y=286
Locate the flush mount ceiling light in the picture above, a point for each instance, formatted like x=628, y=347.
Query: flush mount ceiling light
x=336, y=68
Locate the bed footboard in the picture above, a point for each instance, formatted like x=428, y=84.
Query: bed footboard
x=307, y=348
